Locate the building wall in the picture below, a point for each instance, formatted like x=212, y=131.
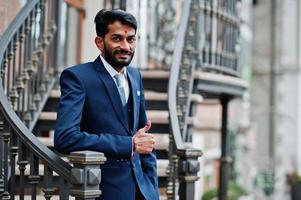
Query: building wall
x=8, y=10
x=287, y=89
x=90, y=51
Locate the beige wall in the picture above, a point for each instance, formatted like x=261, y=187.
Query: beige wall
x=8, y=10
x=90, y=52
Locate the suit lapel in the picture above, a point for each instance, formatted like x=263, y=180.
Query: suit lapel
x=112, y=91
x=135, y=92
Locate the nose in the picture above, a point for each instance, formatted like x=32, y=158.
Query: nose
x=125, y=45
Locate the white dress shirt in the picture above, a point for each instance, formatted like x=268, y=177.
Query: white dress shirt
x=113, y=72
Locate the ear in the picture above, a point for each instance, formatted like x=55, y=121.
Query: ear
x=99, y=43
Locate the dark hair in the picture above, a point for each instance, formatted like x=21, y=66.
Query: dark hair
x=105, y=17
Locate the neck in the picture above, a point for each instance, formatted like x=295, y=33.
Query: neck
x=119, y=69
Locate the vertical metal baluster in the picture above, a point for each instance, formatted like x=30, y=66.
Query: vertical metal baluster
x=48, y=183
x=41, y=86
x=50, y=70
x=16, y=44
x=34, y=177
x=207, y=33
x=27, y=63
x=31, y=67
x=13, y=153
x=232, y=47
x=37, y=76
x=223, y=40
x=20, y=86
x=13, y=98
x=6, y=137
x=64, y=189
x=9, y=69
x=3, y=72
x=22, y=70
x=22, y=162
x=57, y=44
x=1, y=156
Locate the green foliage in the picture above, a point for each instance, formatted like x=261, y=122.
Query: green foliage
x=210, y=194
x=235, y=191
x=265, y=181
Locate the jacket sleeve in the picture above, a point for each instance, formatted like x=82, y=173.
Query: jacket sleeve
x=68, y=136
x=148, y=161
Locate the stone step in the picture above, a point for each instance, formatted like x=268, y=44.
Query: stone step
x=156, y=117
x=149, y=95
x=159, y=119
x=155, y=80
x=154, y=100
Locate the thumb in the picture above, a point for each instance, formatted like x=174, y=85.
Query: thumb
x=146, y=127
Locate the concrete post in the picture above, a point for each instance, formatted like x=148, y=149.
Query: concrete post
x=86, y=174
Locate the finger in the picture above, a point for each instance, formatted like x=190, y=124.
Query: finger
x=144, y=140
x=144, y=150
x=145, y=136
x=146, y=127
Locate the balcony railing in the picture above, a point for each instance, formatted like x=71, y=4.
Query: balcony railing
x=219, y=33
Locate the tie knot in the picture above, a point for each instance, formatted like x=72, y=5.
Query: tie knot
x=119, y=80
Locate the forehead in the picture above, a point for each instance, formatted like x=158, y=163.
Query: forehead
x=122, y=29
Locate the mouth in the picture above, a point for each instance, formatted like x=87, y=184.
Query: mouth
x=123, y=55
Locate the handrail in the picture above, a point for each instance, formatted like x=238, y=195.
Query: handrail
x=40, y=150
x=174, y=74
x=33, y=144
x=14, y=26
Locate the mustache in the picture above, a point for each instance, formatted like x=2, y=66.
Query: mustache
x=124, y=52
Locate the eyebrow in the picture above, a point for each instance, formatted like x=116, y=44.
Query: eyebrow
x=120, y=35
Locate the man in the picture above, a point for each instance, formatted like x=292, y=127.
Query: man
x=102, y=109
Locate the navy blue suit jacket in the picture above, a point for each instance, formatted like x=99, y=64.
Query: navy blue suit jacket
x=91, y=117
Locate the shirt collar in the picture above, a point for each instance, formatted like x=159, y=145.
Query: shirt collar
x=110, y=69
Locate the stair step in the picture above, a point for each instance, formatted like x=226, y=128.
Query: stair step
x=148, y=94
x=162, y=166
x=162, y=141
x=55, y=93
x=159, y=119
x=155, y=74
x=154, y=100
x=155, y=80
x=155, y=96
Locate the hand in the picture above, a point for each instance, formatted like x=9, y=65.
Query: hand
x=144, y=142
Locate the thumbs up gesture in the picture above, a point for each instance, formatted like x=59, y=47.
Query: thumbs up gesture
x=144, y=142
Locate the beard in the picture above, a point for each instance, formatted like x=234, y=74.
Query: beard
x=114, y=61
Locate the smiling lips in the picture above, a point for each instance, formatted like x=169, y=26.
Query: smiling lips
x=123, y=54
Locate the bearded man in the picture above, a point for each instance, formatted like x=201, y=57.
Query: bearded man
x=102, y=108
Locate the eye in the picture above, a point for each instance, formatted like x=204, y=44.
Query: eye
x=116, y=38
x=131, y=39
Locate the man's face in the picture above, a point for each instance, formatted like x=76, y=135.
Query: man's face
x=119, y=45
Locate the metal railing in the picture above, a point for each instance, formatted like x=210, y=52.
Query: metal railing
x=184, y=163
x=219, y=22
x=28, y=60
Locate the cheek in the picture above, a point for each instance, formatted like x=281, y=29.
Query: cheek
x=133, y=46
